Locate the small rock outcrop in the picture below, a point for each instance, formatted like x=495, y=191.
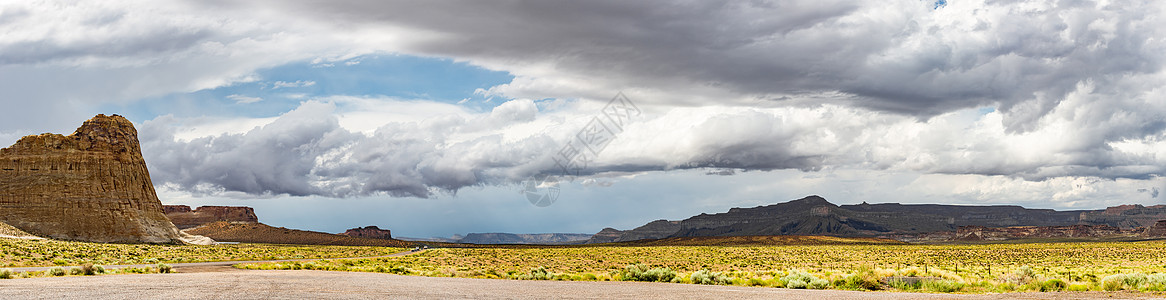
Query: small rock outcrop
x=607, y=235
x=89, y=186
x=1156, y=230
x=184, y=218
x=369, y=232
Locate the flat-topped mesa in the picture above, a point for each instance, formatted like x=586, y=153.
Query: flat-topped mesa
x=369, y=232
x=89, y=186
x=183, y=217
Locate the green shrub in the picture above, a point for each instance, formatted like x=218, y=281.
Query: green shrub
x=942, y=286
x=1022, y=276
x=641, y=272
x=57, y=271
x=539, y=273
x=1155, y=282
x=860, y=281
x=1078, y=287
x=818, y=284
x=400, y=270
x=164, y=268
x=60, y=262
x=5, y=273
x=87, y=269
x=76, y=271
x=1053, y=285
x=706, y=276
x=901, y=284
x=98, y=269
x=1123, y=281
x=798, y=279
x=1135, y=280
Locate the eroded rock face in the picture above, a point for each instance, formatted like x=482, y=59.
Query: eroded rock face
x=369, y=232
x=183, y=217
x=89, y=186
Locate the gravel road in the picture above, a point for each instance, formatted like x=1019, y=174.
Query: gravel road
x=228, y=283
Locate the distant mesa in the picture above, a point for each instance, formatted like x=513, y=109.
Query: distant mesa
x=89, y=186
x=371, y=232
x=263, y=233
x=813, y=215
x=184, y=218
x=524, y=238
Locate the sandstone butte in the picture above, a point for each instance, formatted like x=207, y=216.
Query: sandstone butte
x=89, y=186
x=372, y=232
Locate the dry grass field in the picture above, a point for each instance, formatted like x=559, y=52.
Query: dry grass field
x=976, y=268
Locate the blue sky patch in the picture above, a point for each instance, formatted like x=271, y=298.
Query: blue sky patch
x=283, y=88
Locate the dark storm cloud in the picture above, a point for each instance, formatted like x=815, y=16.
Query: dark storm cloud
x=898, y=56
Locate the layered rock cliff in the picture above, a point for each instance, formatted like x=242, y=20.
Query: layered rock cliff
x=89, y=186
x=183, y=217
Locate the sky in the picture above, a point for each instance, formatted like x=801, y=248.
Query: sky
x=429, y=118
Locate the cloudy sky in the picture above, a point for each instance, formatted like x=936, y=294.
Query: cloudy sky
x=426, y=117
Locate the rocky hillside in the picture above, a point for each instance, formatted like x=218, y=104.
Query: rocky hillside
x=814, y=215
x=183, y=217
x=89, y=186
x=534, y=238
x=9, y=231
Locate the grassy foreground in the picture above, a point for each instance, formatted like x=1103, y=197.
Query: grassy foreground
x=36, y=253
x=931, y=268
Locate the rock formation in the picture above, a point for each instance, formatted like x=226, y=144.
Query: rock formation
x=369, y=232
x=183, y=217
x=89, y=186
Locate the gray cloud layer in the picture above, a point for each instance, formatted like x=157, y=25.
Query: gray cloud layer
x=308, y=152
